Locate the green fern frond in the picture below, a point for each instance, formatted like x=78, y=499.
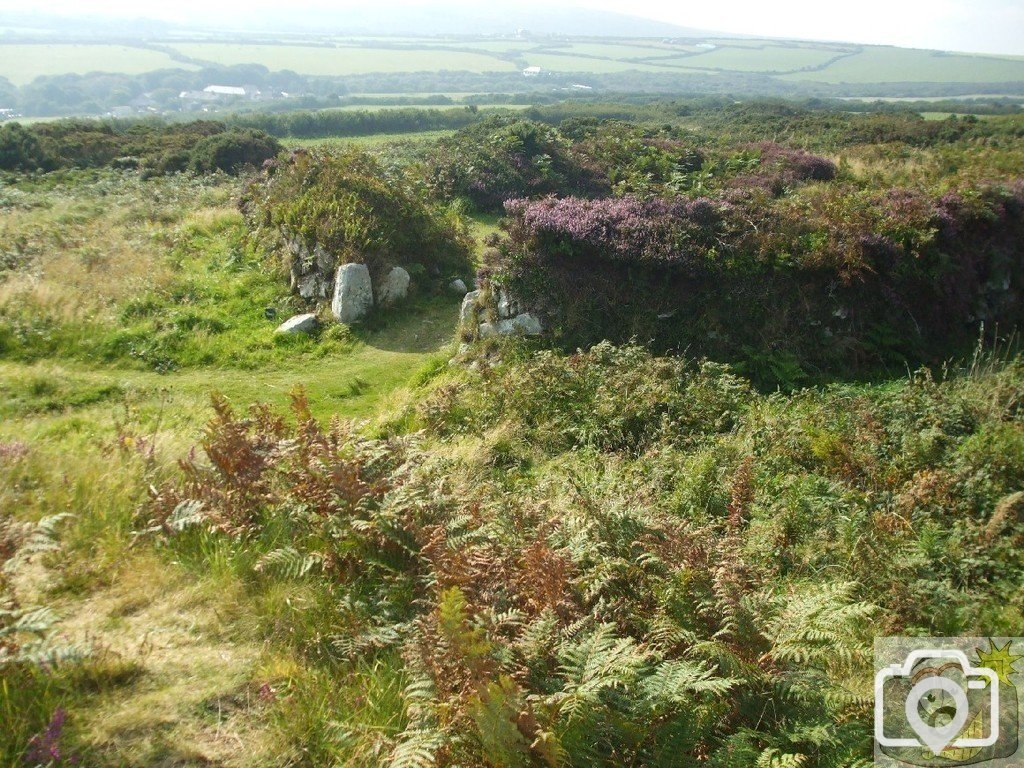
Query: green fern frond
x=290, y=563
x=416, y=749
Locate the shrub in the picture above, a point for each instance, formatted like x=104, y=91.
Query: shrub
x=689, y=573
x=831, y=278
x=503, y=157
x=232, y=151
x=20, y=150
x=347, y=204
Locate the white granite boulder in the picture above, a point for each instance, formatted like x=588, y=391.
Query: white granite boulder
x=394, y=287
x=458, y=285
x=523, y=324
x=306, y=323
x=467, y=313
x=353, y=293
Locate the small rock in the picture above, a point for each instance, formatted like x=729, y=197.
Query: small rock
x=309, y=286
x=270, y=313
x=306, y=323
x=506, y=306
x=458, y=286
x=467, y=314
x=394, y=287
x=324, y=260
x=528, y=325
x=524, y=324
x=353, y=293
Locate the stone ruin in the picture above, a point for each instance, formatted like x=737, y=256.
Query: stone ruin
x=316, y=276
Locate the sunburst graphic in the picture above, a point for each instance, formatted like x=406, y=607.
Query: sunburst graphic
x=999, y=660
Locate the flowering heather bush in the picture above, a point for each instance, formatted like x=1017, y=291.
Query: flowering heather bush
x=795, y=164
x=626, y=230
x=823, y=278
x=45, y=748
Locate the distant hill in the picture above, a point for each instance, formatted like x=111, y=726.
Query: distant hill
x=486, y=19
x=380, y=19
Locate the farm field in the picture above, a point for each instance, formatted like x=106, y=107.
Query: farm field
x=879, y=65
x=23, y=63
x=374, y=140
x=791, y=62
x=313, y=60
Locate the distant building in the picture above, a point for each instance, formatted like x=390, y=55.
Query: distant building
x=224, y=90
x=531, y=72
x=212, y=95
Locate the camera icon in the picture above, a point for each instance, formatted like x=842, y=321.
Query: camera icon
x=944, y=700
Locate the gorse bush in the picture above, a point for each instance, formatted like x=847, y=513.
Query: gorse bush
x=200, y=146
x=694, y=577
x=504, y=157
x=351, y=207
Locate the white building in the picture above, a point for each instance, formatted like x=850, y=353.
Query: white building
x=224, y=90
x=531, y=72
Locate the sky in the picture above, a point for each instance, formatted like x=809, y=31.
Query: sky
x=985, y=26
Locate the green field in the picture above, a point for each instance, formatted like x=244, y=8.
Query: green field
x=771, y=58
x=895, y=65
x=791, y=65
x=569, y=62
x=312, y=60
x=23, y=63
x=374, y=140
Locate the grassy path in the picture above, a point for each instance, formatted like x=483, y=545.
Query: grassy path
x=181, y=672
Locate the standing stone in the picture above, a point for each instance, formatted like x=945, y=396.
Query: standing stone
x=467, y=314
x=458, y=286
x=394, y=288
x=353, y=293
x=299, y=324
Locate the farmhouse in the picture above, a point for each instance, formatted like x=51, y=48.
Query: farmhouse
x=531, y=72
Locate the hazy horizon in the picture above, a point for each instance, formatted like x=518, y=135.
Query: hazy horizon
x=983, y=26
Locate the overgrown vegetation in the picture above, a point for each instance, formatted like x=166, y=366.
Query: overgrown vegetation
x=611, y=558
x=200, y=147
x=354, y=208
x=534, y=555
